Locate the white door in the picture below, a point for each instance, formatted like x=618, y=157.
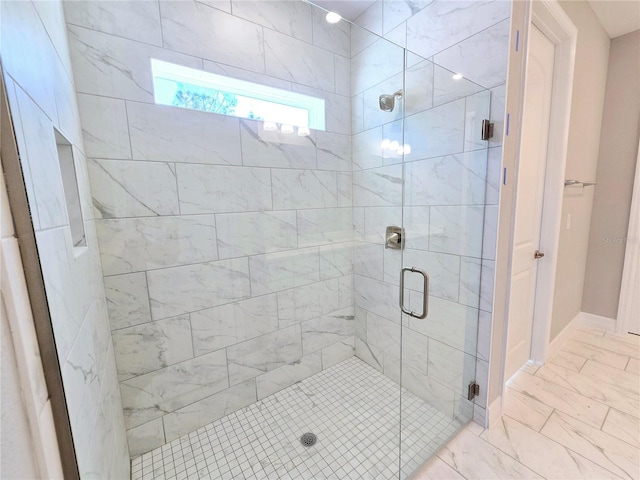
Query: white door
x=629, y=306
x=529, y=200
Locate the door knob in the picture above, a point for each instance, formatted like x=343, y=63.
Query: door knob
x=538, y=254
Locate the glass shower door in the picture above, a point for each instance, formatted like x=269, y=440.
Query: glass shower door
x=377, y=71
x=444, y=183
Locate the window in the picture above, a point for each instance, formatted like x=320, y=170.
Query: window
x=70, y=186
x=185, y=87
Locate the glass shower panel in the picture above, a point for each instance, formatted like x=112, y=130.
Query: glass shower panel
x=250, y=290
x=377, y=102
x=445, y=163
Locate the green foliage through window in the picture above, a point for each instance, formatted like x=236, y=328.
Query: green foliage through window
x=206, y=99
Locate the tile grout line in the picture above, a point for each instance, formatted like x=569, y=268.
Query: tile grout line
x=604, y=420
x=553, y=410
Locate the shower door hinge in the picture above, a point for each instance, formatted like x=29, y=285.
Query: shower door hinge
x=487, y=129
x=474, y=390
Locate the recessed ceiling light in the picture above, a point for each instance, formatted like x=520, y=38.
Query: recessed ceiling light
x=333, y=17
x=269, y=126
x=286, y=128
x=457, y=76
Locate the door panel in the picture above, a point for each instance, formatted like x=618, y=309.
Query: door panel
x=530, y=195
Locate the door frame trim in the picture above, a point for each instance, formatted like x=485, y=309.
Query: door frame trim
x=551, y=19
x=631, y=270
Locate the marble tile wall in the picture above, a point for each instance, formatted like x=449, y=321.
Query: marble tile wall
x=450, y=191
x=219, y=240
x=226, y=249
x=41, y=92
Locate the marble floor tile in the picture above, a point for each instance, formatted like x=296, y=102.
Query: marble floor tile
x=560, y=398
x=623, y=426
x=611, y=376
x=568, y=360
x=438, y=470
x=525, y=445
x=475, y=458
x=596, y=354
x=593, y=331
x=627, y=338
x=613, y=395
x=610, y=343
x=475, y=429
x=607, y=451
x=534, y=432
x=525, y=408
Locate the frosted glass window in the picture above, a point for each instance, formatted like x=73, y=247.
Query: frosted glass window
x=185, y=87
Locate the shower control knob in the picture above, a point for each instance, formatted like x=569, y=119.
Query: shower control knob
x=394, y=238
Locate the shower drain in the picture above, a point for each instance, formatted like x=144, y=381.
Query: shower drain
x=308, y=439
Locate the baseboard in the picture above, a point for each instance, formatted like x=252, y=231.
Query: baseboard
x=590, y=320
x=557, y=343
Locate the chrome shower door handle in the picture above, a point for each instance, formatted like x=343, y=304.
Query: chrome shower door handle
x=425, y=298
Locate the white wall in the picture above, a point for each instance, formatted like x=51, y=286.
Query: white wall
x=592, y=54
x=41, y=95
x=615, y=174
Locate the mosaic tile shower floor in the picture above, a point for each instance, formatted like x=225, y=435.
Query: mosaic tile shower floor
x=351, y=407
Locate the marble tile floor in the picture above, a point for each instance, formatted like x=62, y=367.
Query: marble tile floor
x=577, y=417
x=351, y=407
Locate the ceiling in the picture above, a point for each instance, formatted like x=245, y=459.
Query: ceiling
x=617, y=16
x=349, y=9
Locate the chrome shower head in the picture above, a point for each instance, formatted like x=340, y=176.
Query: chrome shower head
x=387, y=102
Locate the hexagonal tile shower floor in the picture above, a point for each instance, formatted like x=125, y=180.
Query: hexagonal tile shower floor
x=352, y=409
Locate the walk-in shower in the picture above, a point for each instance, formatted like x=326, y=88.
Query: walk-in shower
x=387, y=102
x=243, y=166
